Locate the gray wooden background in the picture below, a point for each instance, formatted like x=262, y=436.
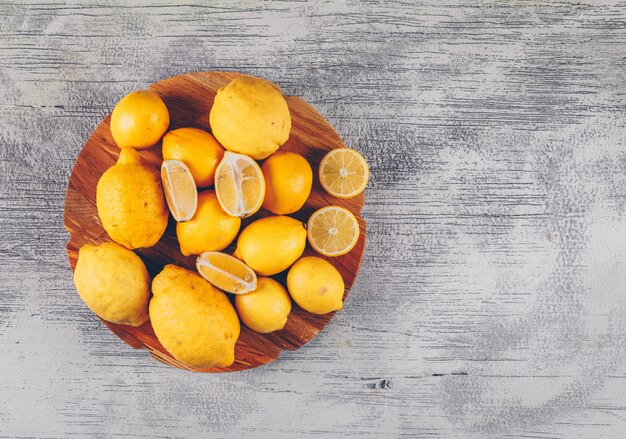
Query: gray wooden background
x=491, y=301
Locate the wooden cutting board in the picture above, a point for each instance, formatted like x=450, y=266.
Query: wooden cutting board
x=189, y=99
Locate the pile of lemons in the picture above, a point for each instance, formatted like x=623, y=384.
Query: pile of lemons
x=190, y=313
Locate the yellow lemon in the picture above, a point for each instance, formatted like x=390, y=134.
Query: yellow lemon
x=288, y=180
x=192, y=319
x=270, y=245
x=315, y=285
x=343, y=173
x=113, y=282
x=210, y=229
x=195, y=148
x=139, y=120
x=226, y=272
x=265, y=309
x=239, y=185
x=130, y=202
x=250, y=116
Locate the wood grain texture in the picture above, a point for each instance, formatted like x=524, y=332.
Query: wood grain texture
x=189, y=99
x=490, y=302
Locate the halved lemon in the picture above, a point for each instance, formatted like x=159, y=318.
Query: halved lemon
x=180, y=189
x=343, y=173
x=333, y=231
x=239, y=185
x=226, y=272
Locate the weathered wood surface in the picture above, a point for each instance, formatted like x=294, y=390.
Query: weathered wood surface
x=491, y=298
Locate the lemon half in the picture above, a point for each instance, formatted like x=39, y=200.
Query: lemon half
x=333, y=231
x=343, y=173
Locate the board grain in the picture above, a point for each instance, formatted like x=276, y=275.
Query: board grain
x=189, y=99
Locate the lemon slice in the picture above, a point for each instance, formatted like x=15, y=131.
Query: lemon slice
x=180, y=189
x=226, y=272
x=333, y=231
x=343, y=173
x=239, y=185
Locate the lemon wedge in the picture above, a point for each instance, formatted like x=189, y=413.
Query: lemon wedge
x=332, y=231
x=343, y=173
x=226, y=272
x=239, y=185
x=180, y=189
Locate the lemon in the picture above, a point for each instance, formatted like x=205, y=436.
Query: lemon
x=139, y=120
x=130, y=202
x=192, y=319
x=113, y=282
x=210, y=229
x=250, y=116
x=270, y=245
x=239, y=185
x=226, y=272
x=195, y=148
x=180, y=189
x=315, y=285
x=266, y=309
x=288, y=180
x=333, y=231
x=343, y=173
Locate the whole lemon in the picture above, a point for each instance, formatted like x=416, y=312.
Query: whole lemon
x=315, y=285
x=271, y=244
x=210, y=229
x=139, y=120
x=130, y=202
x=250, y=116
x=192, y=319
x=288, y=180
x=197, y=149
x=113, y=282
x=265, y=309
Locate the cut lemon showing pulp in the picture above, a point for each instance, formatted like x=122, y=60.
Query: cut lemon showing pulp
x=343, y=173
x=239, y=185
x=332, y=231
x=226, y=272
x=180, y=189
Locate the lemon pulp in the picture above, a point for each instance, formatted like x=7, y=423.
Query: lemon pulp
x=333, y=231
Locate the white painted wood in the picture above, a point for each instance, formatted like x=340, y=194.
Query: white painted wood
x=491, y=299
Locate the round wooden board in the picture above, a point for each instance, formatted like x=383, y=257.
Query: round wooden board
x=189, y=99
